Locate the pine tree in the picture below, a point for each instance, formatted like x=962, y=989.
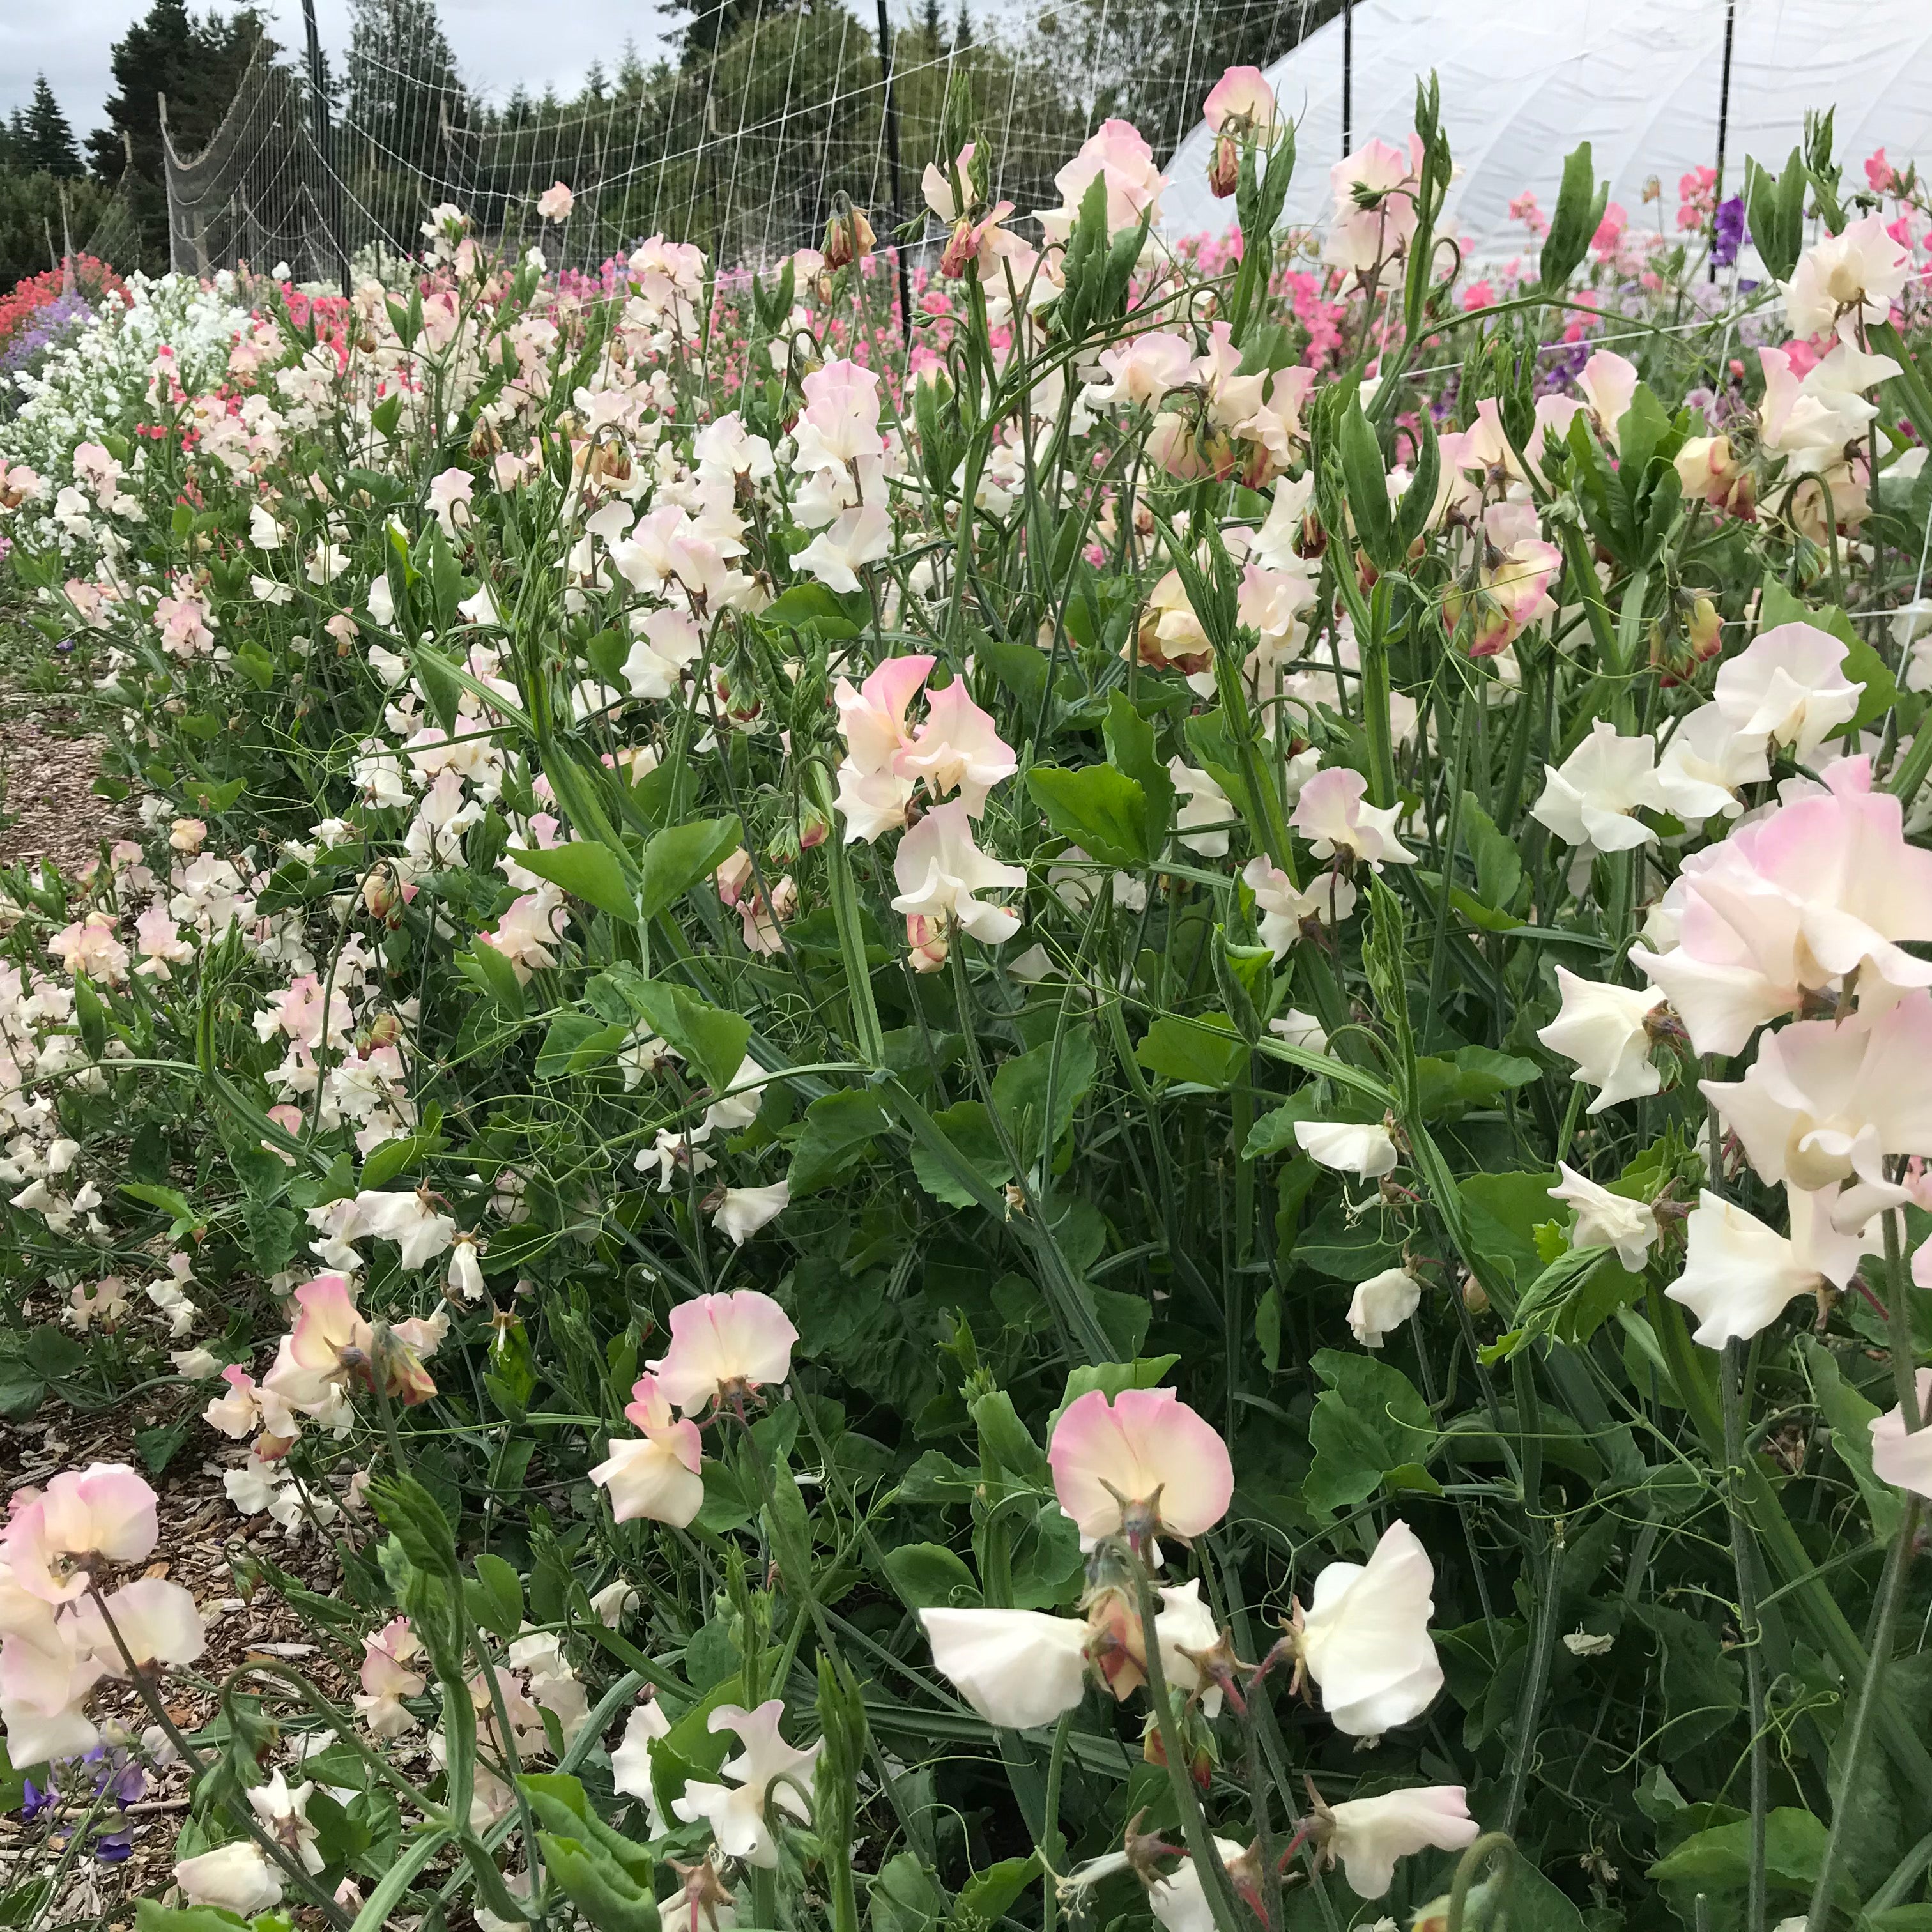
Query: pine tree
x=47, y=141
x=631, y=75
x=595, y=86
x=962, y=33
x=932, y=26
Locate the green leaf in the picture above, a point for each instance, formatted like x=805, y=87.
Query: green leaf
x=500, y=1591
x=1110, y=1377
x=1020, y=1090
x=1206, y=1052
x=1580, y=202
x=929, y=1574
x=587, y=871
x=1131, y=749
x=837, y=1132
x=495, y=976
x=812, y=603
x=1105, y=812
x=674, y=860
x=1719, y=1859
x=987, y=1896
x=711, y=1039
x=568, y=1032
x=150, y=1915
x=1369, y=1420
x=970, y=1128
x=1366, y=477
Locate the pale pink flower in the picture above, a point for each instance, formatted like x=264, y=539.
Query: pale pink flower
x=722, y=1346
x=237, y=1413
x=1145, y=1455
x=45, y=1676
x=1116, y=154
x=1609, y=384
x=1514, y=570
x=1823, y=890
x=387, y=1678
x=936, y=185
x=160, y=941
x=449, y=493
x=103, y=1513
x=1241, y=101
x=840, y=423
x=1364, y=1639
x=527, y=935
x=655, y=1475
x=1826, y=1102
x=555, y=203
x=1286, y=908
x=940, y=870
x=157, y=1620
x=1900, y=1456
x=1789, y=684
x=1375, y=190
x=89, y=946
x=1333, y=811
x=959, y=749
x=1142, y=370
x=1368, y=1835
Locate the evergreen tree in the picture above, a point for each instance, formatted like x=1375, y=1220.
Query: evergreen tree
x=595, y=86
x=631, y=75
x=403, y=80
x=197, y=66
x=47, y=142
x=962, y=33
x=932, y=26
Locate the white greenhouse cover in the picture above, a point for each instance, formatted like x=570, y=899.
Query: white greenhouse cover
x=1523, y=81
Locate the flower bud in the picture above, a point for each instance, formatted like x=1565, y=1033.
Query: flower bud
x=848, y=237
x=929, y=942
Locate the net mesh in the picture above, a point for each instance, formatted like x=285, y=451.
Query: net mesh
x=768, y=110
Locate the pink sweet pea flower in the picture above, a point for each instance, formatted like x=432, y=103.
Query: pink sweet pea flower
x=104, y=1513
x=840, y=424
x=45, y=1676
x=1609, y=384
x=1141, y=1464
x=940, y=870
x=655, y=1475
x=1143, y=369
x=958, y=748
x=1332, y=812
x=555, y=203
x=449, y=492
x=1900, y=1456
x=387, y=1678
x=723, y=1346
x=155, y=1620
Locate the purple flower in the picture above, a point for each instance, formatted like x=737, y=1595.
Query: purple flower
x=35, y=1800
x=1727, y=232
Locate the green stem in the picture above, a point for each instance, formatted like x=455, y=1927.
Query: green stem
x=1215, y=1887
x=1486, y=1852
x=869, y=1035
x=1749, y=1633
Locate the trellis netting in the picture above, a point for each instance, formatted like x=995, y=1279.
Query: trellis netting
x=770, y=110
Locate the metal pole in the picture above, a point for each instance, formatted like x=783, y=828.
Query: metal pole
x=318, y=132
x=1723, y=120
x=892, y=107
x=1348, y=74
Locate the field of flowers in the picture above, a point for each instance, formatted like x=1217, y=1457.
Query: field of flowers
x=1112, y=1109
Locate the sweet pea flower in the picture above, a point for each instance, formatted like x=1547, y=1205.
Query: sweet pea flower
x=740, y=1815
x=855, y=537
x=840, y=422
x=1826, y=1102
x=1285, y=909
x=449, y=493
x=1206, y=805
x=555, y=203
x=387, y=1678
x=155, y=1620
x=1142, y=369
x=1706, y=760
x=410, y=1220
x=1179, y=1902
x=1018, y=1669
x=1117, y=155
x=723, y=1346
x=1364, y=1639
x=655, y=1475
x=1609, y=384
x=84, y=1518
x=937, y=186
x=1366, y=1835
x=235, y=1876
x=958, y=747
x=1368, y=1151
x=740, y=1212
x=940, y=871
x=1588, y=800
x=1788, y=685
x=1855, y=275
x=1605, y=1029
x=1739, y=1275
x=1375, y=190
x=1240, y=102
x=1900, y=1456
x=1604, y=1219
x=1514, y=570
x=1138, y=1465
x=1332, y=813
x=1381, y=1304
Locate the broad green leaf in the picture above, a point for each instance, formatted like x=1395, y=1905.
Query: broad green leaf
x=674, y=860
x=1105, y=812
x=969, y=1127
x=837, y=1132
x=1369, y=1419
x=1204, y=1052
x=1020, y=1089
x=927, y=1575
x=711, y=1038
x=587, y=871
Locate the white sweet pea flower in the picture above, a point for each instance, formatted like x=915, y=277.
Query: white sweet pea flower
x=235, y=1876
x=1900, y=1456
x=1018, y=1669
x=1368, y=1151
x=1368, y=1835
x=1603, y=1028
x=1588, y=800
x=740, y=1212
x=1606, y=1220
x=739, y=1814
x=1381, y=1304
x=1364, y=1639
x=1739, y=1275
x=1789, y=684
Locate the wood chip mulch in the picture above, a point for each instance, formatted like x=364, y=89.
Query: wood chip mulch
x=49, y=808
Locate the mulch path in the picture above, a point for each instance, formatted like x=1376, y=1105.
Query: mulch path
x=49, y=808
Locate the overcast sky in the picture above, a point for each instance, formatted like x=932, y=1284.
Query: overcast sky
x=498, y=42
